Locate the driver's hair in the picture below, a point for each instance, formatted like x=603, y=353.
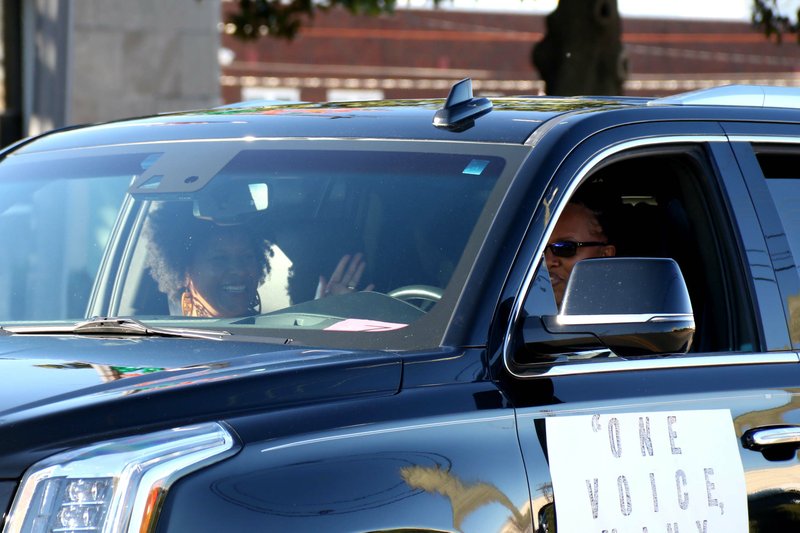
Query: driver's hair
x=601, y=201
x=174, y=235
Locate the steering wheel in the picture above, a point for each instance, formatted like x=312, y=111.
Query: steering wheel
x=427, y=295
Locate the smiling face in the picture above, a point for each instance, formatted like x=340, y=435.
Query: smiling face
x=578, y=224
x=226, y=272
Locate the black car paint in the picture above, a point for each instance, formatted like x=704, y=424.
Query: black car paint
x=294, y=411
x=370, y=476
x=64, y=409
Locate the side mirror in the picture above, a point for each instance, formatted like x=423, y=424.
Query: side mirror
x=632, y=306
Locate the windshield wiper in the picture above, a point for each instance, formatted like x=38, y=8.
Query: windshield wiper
x=134, y=327
x=120, y=326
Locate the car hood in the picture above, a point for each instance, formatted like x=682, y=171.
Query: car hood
x=63, y=390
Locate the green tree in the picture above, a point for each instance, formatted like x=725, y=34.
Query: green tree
x=581, y=52
x=283, y=19
x=773, y=21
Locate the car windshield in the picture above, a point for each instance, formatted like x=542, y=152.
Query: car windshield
x=331, y=242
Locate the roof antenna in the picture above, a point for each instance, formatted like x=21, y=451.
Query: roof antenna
x=461, y=109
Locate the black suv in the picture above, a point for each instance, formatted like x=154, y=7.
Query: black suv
x=339, y=317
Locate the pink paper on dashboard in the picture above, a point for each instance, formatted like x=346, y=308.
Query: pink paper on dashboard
x=358, y=324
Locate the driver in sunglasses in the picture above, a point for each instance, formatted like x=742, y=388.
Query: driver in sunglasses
x=578, y=235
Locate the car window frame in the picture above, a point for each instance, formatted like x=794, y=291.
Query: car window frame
x=568, y=179
x=744, y=139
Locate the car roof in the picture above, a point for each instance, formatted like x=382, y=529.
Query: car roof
x=511, y=120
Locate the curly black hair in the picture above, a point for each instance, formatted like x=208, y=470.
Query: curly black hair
x=173, y=234
x=604, y=203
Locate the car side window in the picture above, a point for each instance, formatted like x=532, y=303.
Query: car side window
x=781, y=167
x=540, y=300
x=48, y=268
x=664, y=203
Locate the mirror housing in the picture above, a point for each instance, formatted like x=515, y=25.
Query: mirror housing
x=633, y=307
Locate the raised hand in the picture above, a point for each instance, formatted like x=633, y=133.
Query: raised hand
x=345, y=278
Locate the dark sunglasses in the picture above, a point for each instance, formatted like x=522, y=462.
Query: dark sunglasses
x=569, y=248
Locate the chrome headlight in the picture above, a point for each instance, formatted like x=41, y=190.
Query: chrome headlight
x=116, y=485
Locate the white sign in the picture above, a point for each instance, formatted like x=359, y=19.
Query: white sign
x=657, y=472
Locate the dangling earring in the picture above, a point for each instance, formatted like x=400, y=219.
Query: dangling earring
x=187, y=300
x=193, y=303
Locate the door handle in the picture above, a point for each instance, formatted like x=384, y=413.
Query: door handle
x=771, y=436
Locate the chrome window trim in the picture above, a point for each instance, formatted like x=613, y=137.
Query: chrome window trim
x=765, y=139
x=665, y=362
x=579, y=320
x=251, y=138
x=516, y=311
x=762, y=96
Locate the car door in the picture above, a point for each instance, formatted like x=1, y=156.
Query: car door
x=672, y=442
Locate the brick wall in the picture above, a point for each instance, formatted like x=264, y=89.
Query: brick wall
x=418, y=54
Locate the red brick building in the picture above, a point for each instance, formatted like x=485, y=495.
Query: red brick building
x=419, y=53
